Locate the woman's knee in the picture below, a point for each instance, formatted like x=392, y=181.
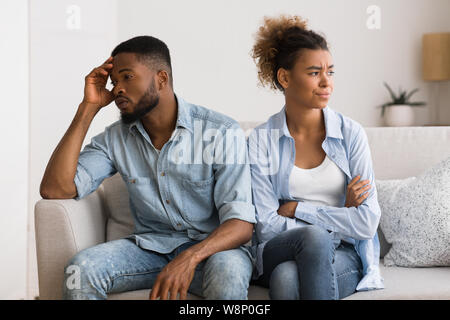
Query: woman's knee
x=284, y=282
x=316, y=237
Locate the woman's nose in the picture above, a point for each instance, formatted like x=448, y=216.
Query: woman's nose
x=325, y=80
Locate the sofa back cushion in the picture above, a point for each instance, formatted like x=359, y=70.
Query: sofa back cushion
x=402, y=152
x=120, y=222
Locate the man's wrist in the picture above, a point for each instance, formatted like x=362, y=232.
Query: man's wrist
x=195, y=253
x=88, y=109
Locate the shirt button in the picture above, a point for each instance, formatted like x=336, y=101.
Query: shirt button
x=168, y=201
x=162, y=174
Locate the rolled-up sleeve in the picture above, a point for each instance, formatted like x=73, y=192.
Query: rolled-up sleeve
x=94, y=165
x=232, y=190
x=356, y=222
x=269, y=222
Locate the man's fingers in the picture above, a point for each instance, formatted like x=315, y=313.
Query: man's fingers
x=174, y=293
x=164, y=295
x=183, y=294
x=109, y=60
x=106, y=66
x=155, y=291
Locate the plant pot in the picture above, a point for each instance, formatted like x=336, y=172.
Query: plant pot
x=399, y=116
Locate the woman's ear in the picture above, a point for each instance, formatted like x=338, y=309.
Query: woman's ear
x=283, y=77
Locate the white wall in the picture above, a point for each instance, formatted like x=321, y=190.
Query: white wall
x=14, y=146
x=210, y=42
x=61, y=56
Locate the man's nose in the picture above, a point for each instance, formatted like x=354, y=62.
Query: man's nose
x=118, y=90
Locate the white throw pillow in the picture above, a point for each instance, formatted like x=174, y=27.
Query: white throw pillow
x=415, y=218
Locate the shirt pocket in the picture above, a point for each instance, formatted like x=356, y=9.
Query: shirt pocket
x=198, y=199
x=142, y=196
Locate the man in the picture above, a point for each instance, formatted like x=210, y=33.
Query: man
x=192, y=217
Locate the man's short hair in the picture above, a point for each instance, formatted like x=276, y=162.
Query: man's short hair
x=150, y=51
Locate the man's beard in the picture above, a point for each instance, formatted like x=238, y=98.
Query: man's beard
x=149, y=100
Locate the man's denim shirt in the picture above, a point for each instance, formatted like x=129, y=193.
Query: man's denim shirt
x=182, y=192
x=272, y=157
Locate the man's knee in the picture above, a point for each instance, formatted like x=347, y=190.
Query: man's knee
x=226, y=275
x=81, y=272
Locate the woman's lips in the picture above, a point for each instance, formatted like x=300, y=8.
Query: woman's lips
x=324, y=95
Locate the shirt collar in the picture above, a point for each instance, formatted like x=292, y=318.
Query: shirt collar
x=332, y=123
x=183, y=117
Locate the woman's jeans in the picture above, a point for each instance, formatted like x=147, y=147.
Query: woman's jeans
x=121, y=265
x=303, y=263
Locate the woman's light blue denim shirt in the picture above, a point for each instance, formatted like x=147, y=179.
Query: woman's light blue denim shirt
x=272, y=157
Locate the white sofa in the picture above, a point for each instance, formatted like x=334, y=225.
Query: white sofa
x=64, y=227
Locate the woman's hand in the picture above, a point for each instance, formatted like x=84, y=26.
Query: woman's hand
x=354, y=191
x=288, y=209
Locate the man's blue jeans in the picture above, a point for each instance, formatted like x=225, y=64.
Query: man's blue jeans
x=121, y=265
x=303, y=263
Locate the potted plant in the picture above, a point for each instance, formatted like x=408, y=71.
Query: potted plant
x=399, y=112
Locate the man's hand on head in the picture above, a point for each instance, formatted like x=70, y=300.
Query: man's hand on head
x=95, y=93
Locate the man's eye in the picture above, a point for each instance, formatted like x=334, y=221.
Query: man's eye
x=331, y=73
x=314, y=73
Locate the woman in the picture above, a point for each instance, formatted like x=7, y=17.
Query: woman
x=312, y=176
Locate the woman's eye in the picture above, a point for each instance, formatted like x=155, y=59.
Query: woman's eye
x=128, y=76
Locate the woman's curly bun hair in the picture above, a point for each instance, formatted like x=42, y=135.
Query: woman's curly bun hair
x=278, y=44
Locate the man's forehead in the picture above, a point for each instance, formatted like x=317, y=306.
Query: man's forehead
x=126, y=61
x=125, y=58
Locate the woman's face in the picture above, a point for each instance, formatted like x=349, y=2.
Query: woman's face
x=310, y=82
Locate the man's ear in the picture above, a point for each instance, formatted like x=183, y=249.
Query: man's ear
x=162, y=79
x=283, y=77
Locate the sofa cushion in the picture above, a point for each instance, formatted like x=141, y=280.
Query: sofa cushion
x=401, y=284
x=115, y=197
x=409, y=283
x=415, y=218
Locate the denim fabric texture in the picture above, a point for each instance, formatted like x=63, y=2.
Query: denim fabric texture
x=121, y=265
x=303, y=263
x=272, y=156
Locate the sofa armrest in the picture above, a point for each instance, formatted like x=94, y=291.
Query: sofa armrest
x=63, y=228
